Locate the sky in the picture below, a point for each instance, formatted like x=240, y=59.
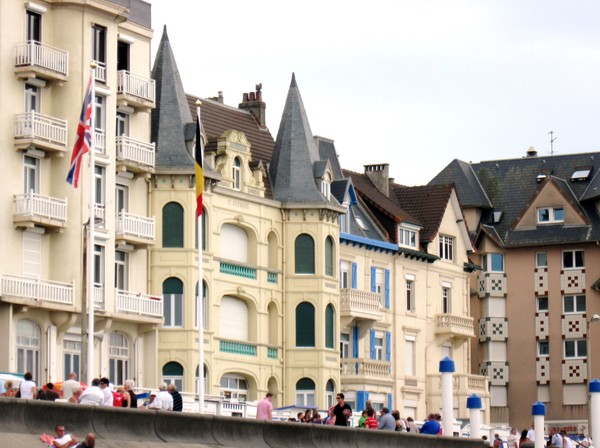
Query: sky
x=412, y=83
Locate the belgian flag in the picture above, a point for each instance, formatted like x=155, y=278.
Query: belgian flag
x=199, y=156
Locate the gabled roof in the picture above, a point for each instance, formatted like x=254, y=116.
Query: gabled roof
x=469, y=190
x=171, y=114
x=292, y=165
x=327, y=151
x=427, y=203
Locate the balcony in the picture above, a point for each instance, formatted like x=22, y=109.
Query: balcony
x=139, y=304
x=136, y=230
x=35, y=60
x=360, y=305
x=134, y=155
x=238, y=270
x=237, y=348
x=36, y=289
x=135, y=91
x=100, y=72
x=100, y=142
x=99, y=303
x=363, y=369
x=454, y=326
x=41, y=131
x=32, y=209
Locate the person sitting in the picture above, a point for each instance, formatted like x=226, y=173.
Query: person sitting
x=90, y=441
x=431, y=426
x=317, y=418
x=51, y=394
x=63, y=439
x=10, y=390
x=371, y=421
x=93, y=394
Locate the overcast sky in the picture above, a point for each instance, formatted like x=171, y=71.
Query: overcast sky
x=412, y=83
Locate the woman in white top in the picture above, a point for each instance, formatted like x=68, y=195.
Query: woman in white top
x=27, y=387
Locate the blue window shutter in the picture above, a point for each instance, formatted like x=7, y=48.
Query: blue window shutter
x=373, y=278
x=366, y=396
x=354, y=276
x=388, y=346
x=372, y=344
x=355, y=342
x=360, y=400
x=390, y=403
x=387, y=288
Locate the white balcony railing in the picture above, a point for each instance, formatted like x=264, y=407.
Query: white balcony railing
x=98, y=296
x=141, y=304
x=37, y=289
x=100, y=141
x=33, y=53
x=33, y=204
x=135, y=85
x=42, y=127
x=100, y=72
x=366, y=368
x=455, y=325
x=135, y=226
x=100, y=214
x=136, y=151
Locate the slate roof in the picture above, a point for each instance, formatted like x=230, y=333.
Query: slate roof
x=427, y=203
x=469, y=190
x=292, y=165
x=511, y=184
x=171, y=114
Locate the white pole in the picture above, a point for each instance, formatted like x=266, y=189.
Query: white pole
x=594, y=426
x=538, y=410
x=446, y=370
x=200, y=288
x=91, y=237
x=474, y=405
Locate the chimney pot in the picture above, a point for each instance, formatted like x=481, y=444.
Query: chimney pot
x=252, y=96
x=245, y=98
x=531, y=152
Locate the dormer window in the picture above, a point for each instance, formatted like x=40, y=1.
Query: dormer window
x=326, y=189
x=345, y=222
x=550, y=215
x=408, y=237
x=543, y=174
x=237, y=174
x=581, y=173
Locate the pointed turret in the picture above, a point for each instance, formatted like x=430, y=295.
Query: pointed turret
x=295, y=154
x=172, y=112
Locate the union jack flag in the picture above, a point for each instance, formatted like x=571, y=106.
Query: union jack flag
x=83, y=142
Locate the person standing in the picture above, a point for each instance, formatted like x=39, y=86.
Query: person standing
x=70, y=385
x=371, y=421
x=498, y=443
x=556, y=440
x=106, y=392
x=264, y=408
x=132, y=402
x=512, y=439
x=386, y=422
x=342, y=411
x=177, y=400
x=93, y=394
x=27, y=387
x=412, y=426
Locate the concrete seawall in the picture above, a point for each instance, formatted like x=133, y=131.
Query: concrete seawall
x=23, y=421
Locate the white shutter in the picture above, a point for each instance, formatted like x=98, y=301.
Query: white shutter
x=234, y=319
x=32, y=251
x=234, y=243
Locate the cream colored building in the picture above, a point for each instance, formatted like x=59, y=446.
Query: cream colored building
x=46, y=50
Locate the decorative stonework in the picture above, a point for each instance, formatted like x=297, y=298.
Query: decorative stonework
x=574, y=371
x=542, y=370
x=492, y=284
x=572, y=281
x=497, y=372
x=542, y=326
x=540, y=281
x=573, y=325
x=493, y=329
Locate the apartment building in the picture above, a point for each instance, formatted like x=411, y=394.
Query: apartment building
x=535, y=224
x=46, y=49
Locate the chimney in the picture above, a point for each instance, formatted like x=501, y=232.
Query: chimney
x=253, y=103
x=380, y=176
x=531, y=152
x=220, y=98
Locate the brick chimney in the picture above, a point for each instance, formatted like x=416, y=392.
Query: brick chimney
x=253, y=103
x=379, y=174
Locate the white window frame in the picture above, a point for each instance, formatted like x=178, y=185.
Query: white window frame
x=174, y=302
x=118, y=357
x=32, y=254
x=548, y=215
x=100, y=185
x=578, y=345
x=379, y=289
x=446, y=299
x=71, y=354
x=410, y=294
x=345, y=275
x=573, y=256
x=489, y=259
x=232, y=389
x=306, y=398
x=122, y=124
x=410, y=352
x=345, y=345
x=543, y=353
x=541, y=260
x=379, y=346
x=236, y=173
x=33, y=98
x=408, y=237
x=537, y=304
x=99, y=257
x=121, y=198
x=100, y=113
x=121, y=270
x=576, y=301
x=29, y=24
x=326, y=189
x=31, y=174
x=28, y=347
x=446, y=247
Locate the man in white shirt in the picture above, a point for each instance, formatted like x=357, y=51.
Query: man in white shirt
x=163, y=400
x=70, y=386
x=531, y=433
x=62, y=439
x=93, y=394
x=107, y=393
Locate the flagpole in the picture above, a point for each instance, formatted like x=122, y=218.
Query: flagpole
x=91, y=235
x=200, y=281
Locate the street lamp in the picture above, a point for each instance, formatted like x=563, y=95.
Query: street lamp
x=594, y=318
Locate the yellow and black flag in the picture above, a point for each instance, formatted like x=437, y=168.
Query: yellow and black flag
x=199, y=156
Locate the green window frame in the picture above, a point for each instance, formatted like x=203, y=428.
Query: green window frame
x=304, y=249
x=172, y=225
x=305, y=325
x=329, y=256
x=329, y=326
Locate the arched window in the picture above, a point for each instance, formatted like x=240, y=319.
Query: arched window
x=237, y=174
x=329, y=256
x=305, y=325
x=329, y=394
x=234, y=319
x=172, y=225
x=234, y=243
x=305, y=393
x=329, y=326
x=204, y=306
x=172, y=373
x=304, y=249
x=28, y=348
x=173, y=302
x=118, y=358
x=234, y=387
